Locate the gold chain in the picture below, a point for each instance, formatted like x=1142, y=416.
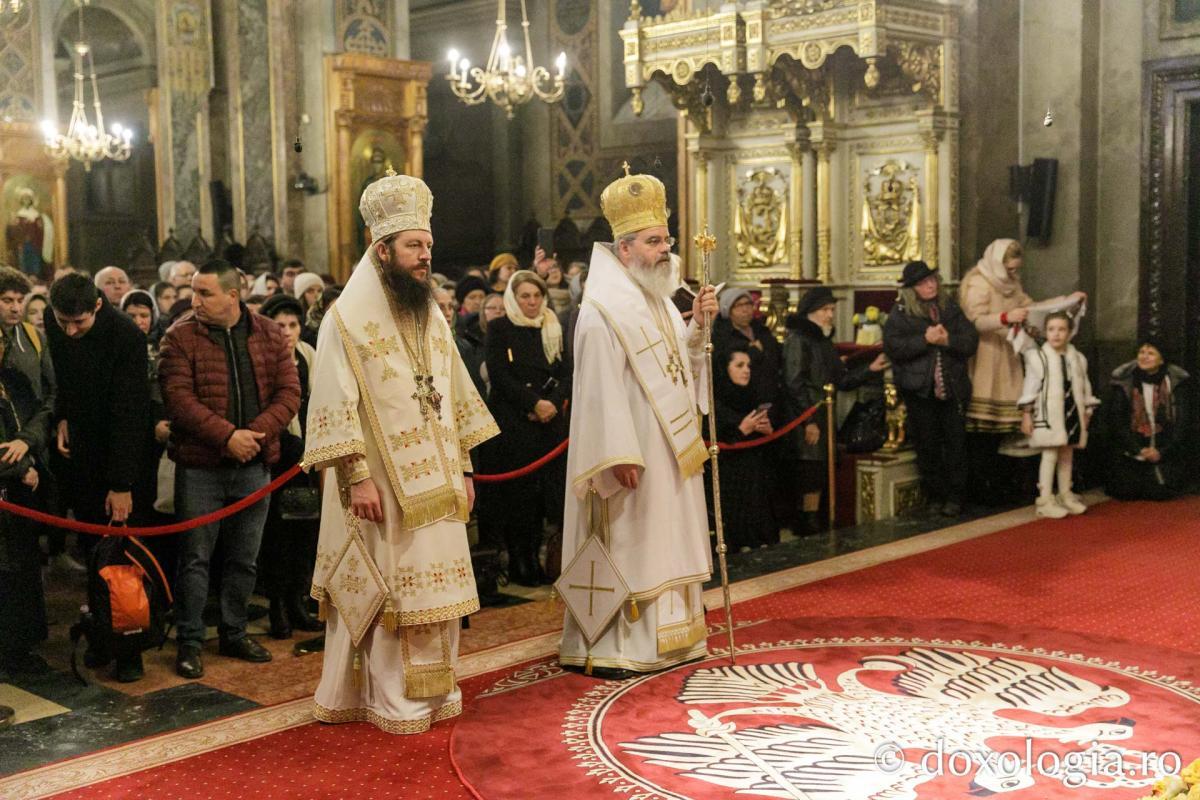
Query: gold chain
x=667, y=331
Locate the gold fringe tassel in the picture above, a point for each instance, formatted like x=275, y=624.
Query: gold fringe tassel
x=691, y=461
x=587, y=666
x=680, y=635
x=323, y=610
x=439, y=504
x=634, y=614
x=357, y=680
x=388, y=618
x=434, y=680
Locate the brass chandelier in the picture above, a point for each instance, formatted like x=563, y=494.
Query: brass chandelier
x=507, y=80
x=83, y=141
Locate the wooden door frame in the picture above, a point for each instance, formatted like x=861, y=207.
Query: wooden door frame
x=1169, y=87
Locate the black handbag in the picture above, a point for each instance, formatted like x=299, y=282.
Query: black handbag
x=865, y=428
x=300, y=503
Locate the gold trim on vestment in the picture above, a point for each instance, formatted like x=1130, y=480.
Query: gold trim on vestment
x=417, y=510
x=679, y=635
x=657, y=590
x=468, y=443
x=401, y=618
x=396, y=726
x=596, y=470
x=422, y=681
x=689, y=460
x=322, y=457
x=679, y=657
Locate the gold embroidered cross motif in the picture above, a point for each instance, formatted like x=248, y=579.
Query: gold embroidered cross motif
x=417, y=469
x=462, y=572
x=427, y=397
x=441, y=345
x=650, y=346
x=591, y=588
x=406, y=439
x=406, y=581
x=380, y=347
x=350, y=582
x=436, y=577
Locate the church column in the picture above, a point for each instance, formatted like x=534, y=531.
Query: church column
x=683, y=170
x=183, y=161
x=702, y=216
x=824, y=149
x=797, y=205
x=933, y=139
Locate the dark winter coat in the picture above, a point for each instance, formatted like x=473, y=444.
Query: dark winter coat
x=810, y=361
x=195, y=378
x=913, y=358
x=520, y=377
x=103, y=392
x=1128, y=478
x=766, y=360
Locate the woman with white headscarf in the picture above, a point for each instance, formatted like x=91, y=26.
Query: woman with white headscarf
x=531, y=386
x=993, y=299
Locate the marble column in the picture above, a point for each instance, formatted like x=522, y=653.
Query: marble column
x=184, y=166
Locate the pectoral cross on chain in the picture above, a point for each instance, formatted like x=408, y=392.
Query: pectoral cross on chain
x=591, y=588
x=675, y=369
x=427, y=397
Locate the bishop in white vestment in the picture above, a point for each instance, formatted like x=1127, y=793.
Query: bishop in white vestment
x=393, y=417
x=637, y=456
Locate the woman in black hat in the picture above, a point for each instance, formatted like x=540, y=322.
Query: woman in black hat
x=929, y=341
x=1149, y=425
x=810, y=361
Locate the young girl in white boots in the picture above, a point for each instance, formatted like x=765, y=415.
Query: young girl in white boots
x=1057, y=402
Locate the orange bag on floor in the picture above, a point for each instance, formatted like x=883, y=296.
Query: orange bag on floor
x=127, y=598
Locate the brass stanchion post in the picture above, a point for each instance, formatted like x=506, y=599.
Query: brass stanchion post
x=707, y=243
x=831, y=448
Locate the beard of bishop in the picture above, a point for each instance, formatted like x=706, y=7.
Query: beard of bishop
x=412, y=295
x=655, y=278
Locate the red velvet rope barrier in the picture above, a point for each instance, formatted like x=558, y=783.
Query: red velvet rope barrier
x=249, y=500
x=528, y=468
x=150, y=530
x=770, y=437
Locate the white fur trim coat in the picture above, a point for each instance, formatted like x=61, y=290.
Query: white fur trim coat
x=1043, y=393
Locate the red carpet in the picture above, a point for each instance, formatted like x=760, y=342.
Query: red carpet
x=1118, y=575
x=820, y=700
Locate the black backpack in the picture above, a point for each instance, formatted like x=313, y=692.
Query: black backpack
x=129, y=599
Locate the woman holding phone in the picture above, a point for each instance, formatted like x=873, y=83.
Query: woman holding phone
x=745, y=506
x=810, y=361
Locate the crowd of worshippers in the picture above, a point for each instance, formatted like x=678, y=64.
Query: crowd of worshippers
x=129, y=406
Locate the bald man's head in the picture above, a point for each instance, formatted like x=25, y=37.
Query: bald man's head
x=113, y=283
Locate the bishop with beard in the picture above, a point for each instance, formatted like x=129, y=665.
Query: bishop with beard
x=393, y=417
x=637, y=456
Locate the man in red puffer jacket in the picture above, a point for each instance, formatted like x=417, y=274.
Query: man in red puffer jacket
x=230, y=386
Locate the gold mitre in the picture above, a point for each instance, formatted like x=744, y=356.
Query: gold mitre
x=633, y=203
x=396, y=203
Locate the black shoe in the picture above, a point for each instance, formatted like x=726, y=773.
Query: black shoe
x=280, y=627
x=300, y=618
x=245, y=649
x=951, y=508
x=96, y=657
x=188, y=663
x=129, y=669
x=24, y=663
x=313, y=645
x=602, y=673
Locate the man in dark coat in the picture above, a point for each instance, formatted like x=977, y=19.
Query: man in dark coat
x=929, y=340
x=810, y=362
x=103, y=419
x=102, y=406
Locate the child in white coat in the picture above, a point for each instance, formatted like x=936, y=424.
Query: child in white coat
x=1057, y=402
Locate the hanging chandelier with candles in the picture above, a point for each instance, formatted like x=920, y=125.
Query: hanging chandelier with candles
x=10, y=11
x=508, y=80
x=83, y=141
